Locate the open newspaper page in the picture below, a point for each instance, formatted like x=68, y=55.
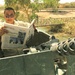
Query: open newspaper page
x=16, y=36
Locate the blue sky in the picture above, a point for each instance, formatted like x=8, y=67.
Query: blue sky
x=61, y=1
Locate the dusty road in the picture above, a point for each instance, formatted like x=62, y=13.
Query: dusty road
x=56, y=15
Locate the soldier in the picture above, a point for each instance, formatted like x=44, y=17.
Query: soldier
x=9, y=15
x=38, y=38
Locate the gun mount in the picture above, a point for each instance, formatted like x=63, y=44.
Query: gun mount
x=65, y=47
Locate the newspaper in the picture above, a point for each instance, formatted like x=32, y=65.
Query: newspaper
x=16, y=36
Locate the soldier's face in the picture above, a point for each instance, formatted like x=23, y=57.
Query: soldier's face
x=9, y=16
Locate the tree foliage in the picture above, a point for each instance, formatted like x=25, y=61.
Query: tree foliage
x=25, y=5
x=52, y=3
x=18, y=5
x=13, y=4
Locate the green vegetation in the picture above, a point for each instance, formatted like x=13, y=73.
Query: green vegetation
x=60, y=27
x=25, y=5
x=67, y=5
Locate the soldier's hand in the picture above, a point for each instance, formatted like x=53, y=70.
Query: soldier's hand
x=3, y=30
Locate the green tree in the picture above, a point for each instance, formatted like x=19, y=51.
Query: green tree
x=14, y=4
x=52, y=3
x=18, y=5
x=25, y=5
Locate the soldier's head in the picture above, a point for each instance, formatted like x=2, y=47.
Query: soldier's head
x=9, y=15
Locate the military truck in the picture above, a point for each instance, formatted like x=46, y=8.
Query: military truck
x=50, y=58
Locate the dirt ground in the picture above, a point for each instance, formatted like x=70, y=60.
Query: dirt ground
x=65, y=14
